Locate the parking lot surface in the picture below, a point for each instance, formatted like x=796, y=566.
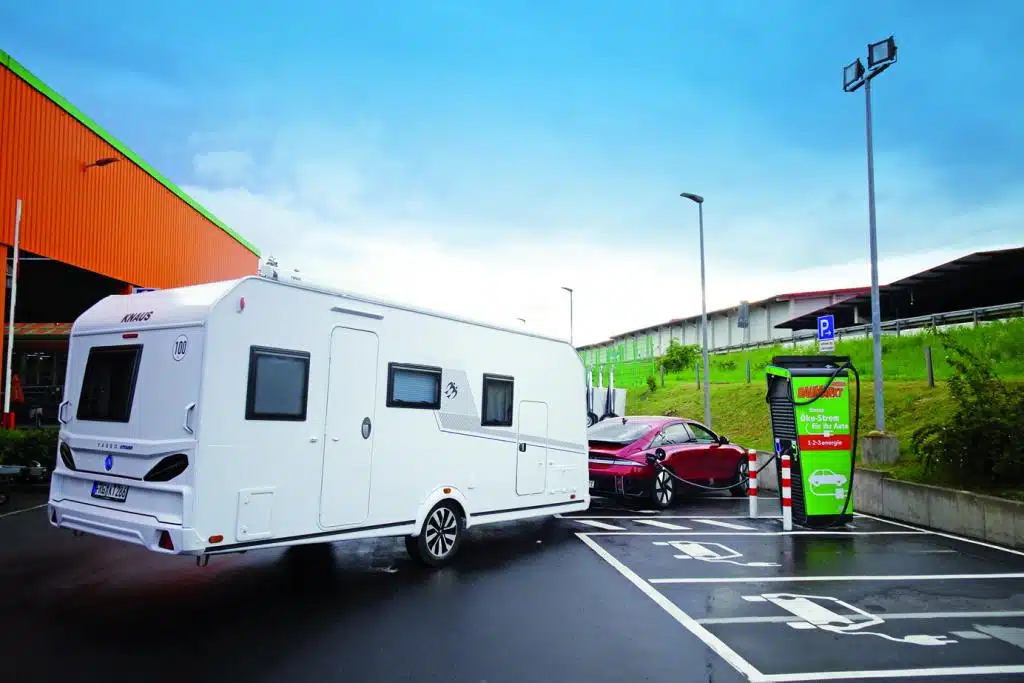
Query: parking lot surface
x=697, y=593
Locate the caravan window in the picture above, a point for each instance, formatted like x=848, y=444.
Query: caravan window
x=413, y=386
x=497, y=401
x=278, y=384
x=108, y=386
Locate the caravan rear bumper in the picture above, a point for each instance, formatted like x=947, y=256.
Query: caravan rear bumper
x=127, y=527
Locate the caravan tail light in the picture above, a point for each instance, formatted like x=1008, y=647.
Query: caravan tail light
x=129, y=335
x=216, y=539
x=165, y=541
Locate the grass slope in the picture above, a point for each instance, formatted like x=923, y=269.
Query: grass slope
x=740, y=412
x=903, y=357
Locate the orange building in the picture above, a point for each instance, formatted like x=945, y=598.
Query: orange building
x=95, y=220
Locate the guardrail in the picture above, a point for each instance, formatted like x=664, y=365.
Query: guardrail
x=634, y=372
x=968, y=315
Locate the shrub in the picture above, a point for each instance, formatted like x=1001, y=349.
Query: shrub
x=983, y=442
x=678, y=357
x=21, y=446
x=652, y=383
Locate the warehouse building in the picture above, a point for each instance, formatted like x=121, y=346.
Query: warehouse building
x=95, y=219
x=747, y=323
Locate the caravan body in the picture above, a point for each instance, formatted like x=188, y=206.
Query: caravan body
x=256, y=413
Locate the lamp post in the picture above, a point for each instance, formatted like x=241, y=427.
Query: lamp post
x=881, y=56
x=569, y=289
x=703, y=303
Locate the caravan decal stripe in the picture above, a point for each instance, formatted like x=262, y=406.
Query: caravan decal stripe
x=320, y=534
x=469, y=425
x=528, y=507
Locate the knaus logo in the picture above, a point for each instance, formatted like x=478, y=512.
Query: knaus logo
x=137, y=317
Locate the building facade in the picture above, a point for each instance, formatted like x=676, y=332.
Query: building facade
x=95, y=219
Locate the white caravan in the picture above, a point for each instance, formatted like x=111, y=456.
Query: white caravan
x=255, y=413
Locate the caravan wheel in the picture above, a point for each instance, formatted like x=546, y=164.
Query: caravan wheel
x=440, y=536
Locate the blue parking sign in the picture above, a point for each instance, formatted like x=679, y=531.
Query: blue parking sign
x=826, y=328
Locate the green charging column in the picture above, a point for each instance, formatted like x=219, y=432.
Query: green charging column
x=817, y=435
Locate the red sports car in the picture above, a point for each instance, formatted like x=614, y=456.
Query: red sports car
x=619, y=466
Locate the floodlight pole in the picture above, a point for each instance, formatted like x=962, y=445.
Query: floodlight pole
x=862, y=77
x=876, y=309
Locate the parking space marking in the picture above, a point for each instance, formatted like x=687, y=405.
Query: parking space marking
x=714, y=621
x=943, y=534
x=712, y=553
x=686, y=621
x=802, y=579
x=756, y=533
x=698, y=517
x=18, y=512
x=724, y=525
x=662, y=525
x=599, y=525
x=891, y=673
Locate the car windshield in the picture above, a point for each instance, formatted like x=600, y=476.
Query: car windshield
x=614, y=431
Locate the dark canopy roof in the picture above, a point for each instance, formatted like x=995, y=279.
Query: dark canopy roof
x=984, y=278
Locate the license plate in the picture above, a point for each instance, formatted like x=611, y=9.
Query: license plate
x=591, y=483
x=115, y=492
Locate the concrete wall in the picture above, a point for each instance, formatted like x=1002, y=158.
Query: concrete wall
x=984, y=518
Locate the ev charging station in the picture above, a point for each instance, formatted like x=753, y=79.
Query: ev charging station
x=809, y=408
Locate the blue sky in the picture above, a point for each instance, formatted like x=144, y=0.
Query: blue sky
x=551, y=139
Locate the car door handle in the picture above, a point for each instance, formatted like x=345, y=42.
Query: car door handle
x=522, y=447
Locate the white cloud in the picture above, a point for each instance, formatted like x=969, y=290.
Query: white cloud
x=225, y=166
x=347, y=214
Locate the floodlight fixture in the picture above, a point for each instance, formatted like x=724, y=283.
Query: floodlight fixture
x=853, y=75
x=692, y=197
x=882, y=53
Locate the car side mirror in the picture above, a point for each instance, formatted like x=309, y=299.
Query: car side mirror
x=724, y=440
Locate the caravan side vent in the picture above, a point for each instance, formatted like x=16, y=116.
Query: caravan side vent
x=168, y=468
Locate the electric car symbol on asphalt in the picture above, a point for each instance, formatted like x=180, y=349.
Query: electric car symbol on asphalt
x=813, y=612
x=710, y=552
x=820, y=480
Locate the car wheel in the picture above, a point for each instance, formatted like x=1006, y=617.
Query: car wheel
x=663, y=492
x=743, y=484
x=440, y=536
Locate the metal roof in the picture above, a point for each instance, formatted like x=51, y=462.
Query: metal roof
x=982, y=278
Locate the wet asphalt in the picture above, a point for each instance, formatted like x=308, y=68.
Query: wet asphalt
x=696, y=593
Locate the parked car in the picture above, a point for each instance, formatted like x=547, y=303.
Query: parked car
x=619, y=465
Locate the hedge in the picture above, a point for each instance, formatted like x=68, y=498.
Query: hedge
x=20, y=446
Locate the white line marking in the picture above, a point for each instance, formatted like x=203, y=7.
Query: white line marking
x=708, y=638
x=944, y=535
x=801, y=579
x=663, y=525
x=585, y=516
x=724, y=525
x=757, y=533
x=887, y=617
x=18, y=512
x=970, y=635
x=892, y=673
x=599, y=525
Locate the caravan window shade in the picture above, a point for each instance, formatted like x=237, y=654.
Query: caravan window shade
x=414, y=387
x=278, y=384
x=497, y=401
x=108, y=386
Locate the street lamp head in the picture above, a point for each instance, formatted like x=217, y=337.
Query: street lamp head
x=568, y=289
x=692, y=197
x=882, y=53
x=853, y=75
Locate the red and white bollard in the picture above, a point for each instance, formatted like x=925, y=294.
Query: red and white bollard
x=785, y=485
x=752, y=481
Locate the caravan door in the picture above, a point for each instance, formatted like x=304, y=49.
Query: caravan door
x=349, y=427
x=532, y=450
